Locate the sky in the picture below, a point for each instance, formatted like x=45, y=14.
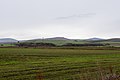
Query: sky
x=74, y=19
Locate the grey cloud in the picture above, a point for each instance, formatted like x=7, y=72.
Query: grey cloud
x=77, y=16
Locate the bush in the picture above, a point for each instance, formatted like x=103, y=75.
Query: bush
x=36, y=45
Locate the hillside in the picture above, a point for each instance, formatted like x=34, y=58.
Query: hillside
x=94, y=39
x=113, y=40
x=63, y=40
x=58, y=38
x=8, y=40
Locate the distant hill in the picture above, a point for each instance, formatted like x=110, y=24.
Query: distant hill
x=113, y=40
x=94, y=39
x=63, y=40
x=58, y=38
x=8, y=40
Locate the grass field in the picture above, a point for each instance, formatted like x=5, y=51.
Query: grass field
x=57, y=64
x=6, y=45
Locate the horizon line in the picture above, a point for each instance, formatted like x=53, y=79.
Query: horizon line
x=56, y=37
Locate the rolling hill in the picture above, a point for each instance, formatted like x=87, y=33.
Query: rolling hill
x=63, y=40
x=58, y=38
x=94, y=39
x=113, y=40
x=8, y=40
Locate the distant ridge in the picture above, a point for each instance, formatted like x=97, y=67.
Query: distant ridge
x=8, y=40
x=58, y=38
x=94, y=39
x=113, y=40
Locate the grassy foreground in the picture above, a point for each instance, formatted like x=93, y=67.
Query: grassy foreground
x=57, y=64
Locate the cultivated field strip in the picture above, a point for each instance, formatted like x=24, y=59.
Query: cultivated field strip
x=56, y=64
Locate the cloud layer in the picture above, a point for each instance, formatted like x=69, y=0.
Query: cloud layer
x=27, y=19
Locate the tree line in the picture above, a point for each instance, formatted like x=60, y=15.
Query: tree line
x=54, y=45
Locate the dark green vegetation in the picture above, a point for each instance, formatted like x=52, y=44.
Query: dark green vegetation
x=35, y=45
x=58, y=64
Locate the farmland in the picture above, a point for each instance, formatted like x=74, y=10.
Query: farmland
x=58, y=64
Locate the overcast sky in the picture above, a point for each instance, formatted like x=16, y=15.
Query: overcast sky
x=78, y=19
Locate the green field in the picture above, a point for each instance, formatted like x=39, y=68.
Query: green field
x=57, y=64
x=6, y=45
